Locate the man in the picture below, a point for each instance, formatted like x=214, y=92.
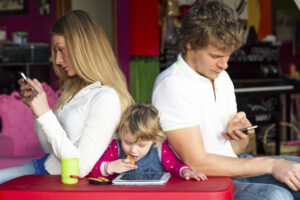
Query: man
x=197, y=107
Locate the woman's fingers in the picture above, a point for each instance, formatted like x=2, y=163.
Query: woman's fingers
x=21, y=81
x=36, y=85
x=27, y=93
x=32, y=84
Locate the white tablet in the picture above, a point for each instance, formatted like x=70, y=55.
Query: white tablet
x=157, y=178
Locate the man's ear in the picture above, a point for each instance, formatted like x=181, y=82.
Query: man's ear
x=188, y=46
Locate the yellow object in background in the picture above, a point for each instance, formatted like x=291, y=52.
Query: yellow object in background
x=254, y=14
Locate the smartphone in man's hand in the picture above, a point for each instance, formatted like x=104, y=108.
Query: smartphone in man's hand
x=246, y=129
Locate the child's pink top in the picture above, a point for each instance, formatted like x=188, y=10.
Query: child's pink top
x=169, y=160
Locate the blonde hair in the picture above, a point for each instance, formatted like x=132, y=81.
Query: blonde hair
x=142, y=122
x=91, y=56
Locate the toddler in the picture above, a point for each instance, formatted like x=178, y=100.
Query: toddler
x=141, y=138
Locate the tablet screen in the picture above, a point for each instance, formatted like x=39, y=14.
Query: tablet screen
x=154, y=178
x=142, y=176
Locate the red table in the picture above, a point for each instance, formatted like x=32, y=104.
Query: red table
x=44, y=187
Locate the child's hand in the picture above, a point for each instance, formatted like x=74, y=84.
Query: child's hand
x=119, y=166
x=187, y=174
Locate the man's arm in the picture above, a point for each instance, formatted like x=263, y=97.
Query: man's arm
x=188, y=144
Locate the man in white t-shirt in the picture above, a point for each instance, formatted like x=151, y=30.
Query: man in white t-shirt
x=197, y=107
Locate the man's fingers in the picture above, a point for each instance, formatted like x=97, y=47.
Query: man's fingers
x=242, y=114
x=230, y=135
x=250, y=131
x=233, y=135
x=291, y=185
x=225, y=135
x=239, y=116
x=295, y=182
x=240, y=134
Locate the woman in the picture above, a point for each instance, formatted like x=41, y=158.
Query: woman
x=94, y=96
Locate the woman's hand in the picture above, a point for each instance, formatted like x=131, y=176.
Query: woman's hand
x=119, y=166
x=25, y=91
x=35, y=98
x=188, y=174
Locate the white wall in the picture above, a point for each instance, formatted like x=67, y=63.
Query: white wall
x=102, y=10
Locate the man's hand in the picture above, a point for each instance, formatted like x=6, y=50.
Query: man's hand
x=238, y=139
x=238, y=121
x=287, y=172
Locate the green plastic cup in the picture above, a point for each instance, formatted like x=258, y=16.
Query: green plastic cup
x=69, y=166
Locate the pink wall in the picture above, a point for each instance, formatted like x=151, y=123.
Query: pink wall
x=122, y=35
x=37, y=26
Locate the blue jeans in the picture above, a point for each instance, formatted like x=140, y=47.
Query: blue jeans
x=265, y=186
x=14, y=172
x=36, y=166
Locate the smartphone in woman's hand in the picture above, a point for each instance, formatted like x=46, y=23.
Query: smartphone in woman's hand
x=25, y=78
x=23, y=75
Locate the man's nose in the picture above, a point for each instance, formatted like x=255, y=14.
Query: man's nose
x=223, y=63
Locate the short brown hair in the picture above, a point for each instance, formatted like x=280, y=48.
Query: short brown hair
x=142, y=122
x=210, y=22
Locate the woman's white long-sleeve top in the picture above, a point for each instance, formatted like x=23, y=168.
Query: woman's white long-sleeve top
x=83, y=128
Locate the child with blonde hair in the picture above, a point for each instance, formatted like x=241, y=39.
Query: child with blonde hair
x=142, y=140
